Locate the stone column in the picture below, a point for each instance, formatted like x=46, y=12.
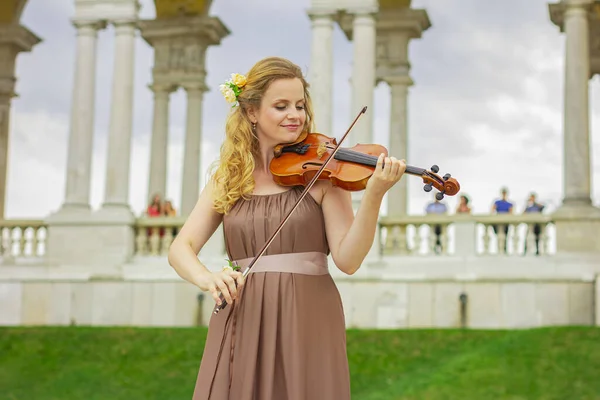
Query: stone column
x=159, y=144
x=363, y=75
x=120, y=130
x=577, y=175
x=79, y=161
x=577, y=221
x=321, y=68
x=398, y=195
x=192, y=150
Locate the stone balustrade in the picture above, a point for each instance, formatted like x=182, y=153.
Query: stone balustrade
x=411, y=235
x=20, y=239
x=154, y=235
x=466, y=234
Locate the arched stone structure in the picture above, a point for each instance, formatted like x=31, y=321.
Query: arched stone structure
x=180, y=36
x=14, y=39
x=380, y=32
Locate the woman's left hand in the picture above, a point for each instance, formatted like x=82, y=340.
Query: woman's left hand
x=387, y=173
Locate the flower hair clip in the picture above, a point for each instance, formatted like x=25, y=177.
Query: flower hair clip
x=232, y=88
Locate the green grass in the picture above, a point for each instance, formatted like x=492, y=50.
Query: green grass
x=126, y=363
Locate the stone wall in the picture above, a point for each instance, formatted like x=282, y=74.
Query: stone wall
x=408, y=292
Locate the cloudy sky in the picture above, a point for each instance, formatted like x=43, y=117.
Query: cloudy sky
x=486, y=105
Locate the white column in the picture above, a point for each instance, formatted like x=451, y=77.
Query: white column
x=321, y=69
x=363, y=76
x=119, y=136
x=192, y=150
x=82, y=117
x=577, y=176
x=398, y=195
x=157, y=180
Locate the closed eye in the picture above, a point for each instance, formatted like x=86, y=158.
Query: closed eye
x=281, y=108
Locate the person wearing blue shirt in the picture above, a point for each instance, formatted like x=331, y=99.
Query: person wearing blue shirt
x=533, y=206
x=502, y=206
x=437, y=207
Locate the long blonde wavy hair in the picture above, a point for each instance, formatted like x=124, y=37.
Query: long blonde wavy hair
x=232, y=178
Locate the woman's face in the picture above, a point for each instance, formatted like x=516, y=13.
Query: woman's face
x=281, y=116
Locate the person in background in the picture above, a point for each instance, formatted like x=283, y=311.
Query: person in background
x=169, y=210
x=437, y=207
x=155, y=207
x=533, y=206
x=463, y=205
x=502, y=206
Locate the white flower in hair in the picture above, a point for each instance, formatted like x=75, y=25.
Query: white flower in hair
x=233, y=87
x=229, y=94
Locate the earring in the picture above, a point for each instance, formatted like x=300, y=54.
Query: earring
x=254, y=126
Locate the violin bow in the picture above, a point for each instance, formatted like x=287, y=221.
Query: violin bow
x=310, y=184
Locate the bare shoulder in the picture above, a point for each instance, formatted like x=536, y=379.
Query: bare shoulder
x=202, y=222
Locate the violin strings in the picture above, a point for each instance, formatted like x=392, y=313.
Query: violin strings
x=371, y=160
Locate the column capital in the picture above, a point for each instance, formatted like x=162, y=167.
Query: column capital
x=321, y=13
x=363, y=11
x=405, y=23
x=162, y=87
x=357, y=16
x=86, y=27
x=18, y=36
x=191, y=87
x=124, y=25
x=559, y=10
x=398, y=80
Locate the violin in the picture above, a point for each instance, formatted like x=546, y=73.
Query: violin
x=314, y=156
x=297, y=163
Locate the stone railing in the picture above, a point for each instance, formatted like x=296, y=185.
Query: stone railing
x=154, y=235
x=411, y=235
x=466, y=234
x=21, y=238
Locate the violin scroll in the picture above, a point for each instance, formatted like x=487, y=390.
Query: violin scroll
x=445, y=184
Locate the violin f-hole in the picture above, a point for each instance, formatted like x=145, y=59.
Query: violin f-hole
x=305, y=165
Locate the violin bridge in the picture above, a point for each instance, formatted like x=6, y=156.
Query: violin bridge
x=322, y=149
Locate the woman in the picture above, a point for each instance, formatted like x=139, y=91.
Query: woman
x=282, y=334
x=463, y=205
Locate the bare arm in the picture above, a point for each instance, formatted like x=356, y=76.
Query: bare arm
x=200, y=225
x=350, y=238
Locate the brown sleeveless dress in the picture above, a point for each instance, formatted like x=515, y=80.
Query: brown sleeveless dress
x=284, y=338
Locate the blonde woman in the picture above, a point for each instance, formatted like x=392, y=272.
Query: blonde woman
x=282, y=335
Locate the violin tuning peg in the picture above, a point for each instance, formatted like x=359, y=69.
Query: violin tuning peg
x=427, y=187
x=439, y=196
x=435, y=169
x=446, y=177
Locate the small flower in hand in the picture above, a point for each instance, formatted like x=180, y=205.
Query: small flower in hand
x=232, y=265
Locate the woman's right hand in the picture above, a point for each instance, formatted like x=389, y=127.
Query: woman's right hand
x=228, y=282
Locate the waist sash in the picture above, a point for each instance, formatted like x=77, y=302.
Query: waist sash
x=307, y=263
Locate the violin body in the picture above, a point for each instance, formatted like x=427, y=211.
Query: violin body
x=299, y=162
x=295, y=164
